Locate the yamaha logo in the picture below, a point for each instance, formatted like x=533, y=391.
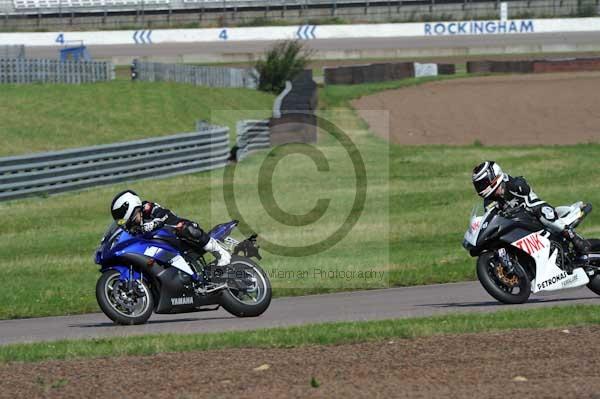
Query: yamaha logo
x=182, y=301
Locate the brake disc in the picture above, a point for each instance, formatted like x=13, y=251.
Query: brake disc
x=504, y=277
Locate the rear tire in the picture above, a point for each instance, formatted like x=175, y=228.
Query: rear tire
x=110, y=309
x=235, y=306
x=594, y=284
x=486, y=277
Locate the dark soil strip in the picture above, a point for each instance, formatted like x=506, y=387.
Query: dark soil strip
x=546, y=364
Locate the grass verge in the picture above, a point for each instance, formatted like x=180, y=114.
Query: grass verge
x=316, y=334
x=50, y=117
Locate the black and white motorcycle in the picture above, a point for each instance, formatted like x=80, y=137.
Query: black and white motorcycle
x=517, y=255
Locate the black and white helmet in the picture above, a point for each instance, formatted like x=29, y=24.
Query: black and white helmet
x=487, y=177
x=124, y=205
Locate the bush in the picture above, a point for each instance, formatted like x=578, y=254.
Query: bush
x=282, y=62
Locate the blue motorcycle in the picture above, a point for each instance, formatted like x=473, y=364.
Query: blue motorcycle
x=160, y=272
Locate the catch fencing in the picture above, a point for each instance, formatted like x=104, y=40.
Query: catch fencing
x=252, y=135
x=21, y=70
x=12, y=51
x=197, y=75
x=53, y=172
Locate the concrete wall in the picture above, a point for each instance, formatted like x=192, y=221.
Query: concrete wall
x=181, y=14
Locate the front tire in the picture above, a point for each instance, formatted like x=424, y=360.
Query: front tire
x=126, y=307
x=504, y=293
x=250, y=302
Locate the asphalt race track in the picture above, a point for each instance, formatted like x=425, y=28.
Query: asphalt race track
x=551, y=42
x=350, y=306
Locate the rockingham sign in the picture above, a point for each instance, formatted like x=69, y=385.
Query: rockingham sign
x=479, y=27
x=305, y=32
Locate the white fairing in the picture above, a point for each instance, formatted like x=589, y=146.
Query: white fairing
x=549, y=277
x=182, y=265
x=570, y=214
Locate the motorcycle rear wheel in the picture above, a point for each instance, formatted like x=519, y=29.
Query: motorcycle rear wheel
x=242, y=303
x=496, y=288
x=109, y=287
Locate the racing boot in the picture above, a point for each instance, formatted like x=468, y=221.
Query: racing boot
x=223, y=257
x=581, y=245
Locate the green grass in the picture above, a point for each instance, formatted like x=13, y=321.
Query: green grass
x=417, y=205
x=339, y=96
x=49, y=117
x=316, y=334
x=431, y=195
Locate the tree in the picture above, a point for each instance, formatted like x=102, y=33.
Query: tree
x=282, y=62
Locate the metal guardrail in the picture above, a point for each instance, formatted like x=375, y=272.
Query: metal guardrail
x=22, y=70
x=197, y=75
x=252, y=135
x=67, y=170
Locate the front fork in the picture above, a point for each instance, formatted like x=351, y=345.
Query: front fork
x=504, y=259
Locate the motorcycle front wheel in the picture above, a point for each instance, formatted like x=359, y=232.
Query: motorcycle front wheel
x=124, y=302
x=513, y=288
x=248, y=292
x=594, y=284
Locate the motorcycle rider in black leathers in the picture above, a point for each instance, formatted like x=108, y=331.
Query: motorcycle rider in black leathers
x=495, y=186
x=139, y=217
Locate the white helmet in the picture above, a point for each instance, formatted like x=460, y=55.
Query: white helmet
x=487, y=177
x=124, y=205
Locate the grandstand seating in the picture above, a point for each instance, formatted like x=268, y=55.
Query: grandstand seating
x=29, y=4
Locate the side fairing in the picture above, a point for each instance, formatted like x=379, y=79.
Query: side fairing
x=548, y=276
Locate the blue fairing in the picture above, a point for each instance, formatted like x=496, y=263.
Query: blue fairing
x=118, y=242
x=221, y=231
x=125, y=272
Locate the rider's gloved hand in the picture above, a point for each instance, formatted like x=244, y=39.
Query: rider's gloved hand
x=214, y=247
x=153, y=225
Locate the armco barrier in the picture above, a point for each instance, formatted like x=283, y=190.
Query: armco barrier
x=252, y=135
x=53, y=172
x=197, y=75
x=22, y=70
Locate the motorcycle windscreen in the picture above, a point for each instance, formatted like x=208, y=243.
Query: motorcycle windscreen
x=472, y=232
